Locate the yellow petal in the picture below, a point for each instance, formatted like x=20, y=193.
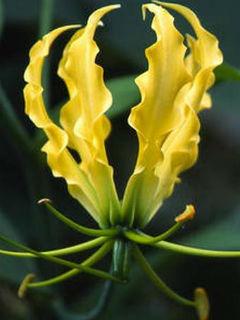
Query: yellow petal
x=82, y=117
x=180, y=153
x=156, y=115
x=206, y=55
x=165, y=76
x=193, y=65
x=173, y=90
x=58, y=156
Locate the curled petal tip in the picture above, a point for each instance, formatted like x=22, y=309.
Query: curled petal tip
x=100, y=24
x=144, y=12
x=112, y=6
x=23, y=286
x=73, y=26
x=144, y=9
x=117, y=6
x=159, y=2
x=187, y=214
x=44, y=201
x=202, y=303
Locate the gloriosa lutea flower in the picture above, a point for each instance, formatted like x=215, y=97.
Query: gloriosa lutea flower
x=173, y=91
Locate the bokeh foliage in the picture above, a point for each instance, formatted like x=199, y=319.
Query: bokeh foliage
x=213, y=185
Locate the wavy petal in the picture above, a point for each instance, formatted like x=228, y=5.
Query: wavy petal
x=156, y=115
x=82, y=117
x=193, y=65
x=205, y=52
x=180, y=151
x=59, y=158
x=173, y=91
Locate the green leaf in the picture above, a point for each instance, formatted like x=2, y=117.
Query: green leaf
x=93, y=313
x=13, y=269
x=11, y=124
x=224, y=117
x=222, y=235
x=226, y=72
x=1, y=17
x=125, y=94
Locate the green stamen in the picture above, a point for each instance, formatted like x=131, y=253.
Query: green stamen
x=143, y=238
x=58, y=252
x=94, y=258
x=157, y=281
x=69, y=264
x=178, y=248
x=23, y=287
x=75, y=226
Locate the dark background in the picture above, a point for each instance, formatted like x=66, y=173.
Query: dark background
x=213, y=184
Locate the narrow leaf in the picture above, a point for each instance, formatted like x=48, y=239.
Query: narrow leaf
x=226, y=72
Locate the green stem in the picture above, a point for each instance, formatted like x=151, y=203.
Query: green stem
x=94, y=313
x=195, y=251
x=159, y=282
x=37, y=185
x=66, y=263
x=121, y=257
x=58, y=252
x=46, y=15
x=143, y=238
x=99, y=309
x=1, y=18
x=75, y=226
x=45, y=24
x=93, y=259
x=12, y=125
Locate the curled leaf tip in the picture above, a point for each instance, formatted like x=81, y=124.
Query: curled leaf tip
x=187, y=214
x=44, y=201
x=24, y=285
x=202, y=303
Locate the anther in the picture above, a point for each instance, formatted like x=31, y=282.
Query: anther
x=202, y=303
x=44, y=201
x=187, y=214
x=23, y=286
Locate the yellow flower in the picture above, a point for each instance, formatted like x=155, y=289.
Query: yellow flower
x=173, y=91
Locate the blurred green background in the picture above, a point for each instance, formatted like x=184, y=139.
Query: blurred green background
x=213, y=185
